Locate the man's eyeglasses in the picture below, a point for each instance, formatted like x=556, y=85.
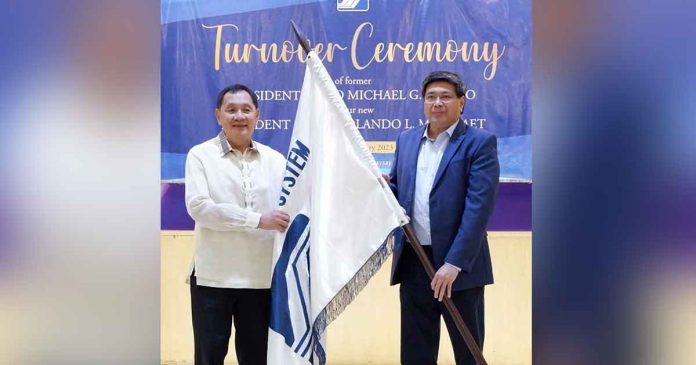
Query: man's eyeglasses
x=432, y=99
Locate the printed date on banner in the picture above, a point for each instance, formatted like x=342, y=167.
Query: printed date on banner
x=382, y=146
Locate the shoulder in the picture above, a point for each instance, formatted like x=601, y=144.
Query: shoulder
x=409, y=134
x=269, y=153
x=208, y=147
x=480, y=136
x=480, y=133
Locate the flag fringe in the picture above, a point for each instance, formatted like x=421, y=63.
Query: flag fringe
x=346, y=295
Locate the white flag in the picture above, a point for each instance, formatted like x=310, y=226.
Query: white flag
x=341, y=214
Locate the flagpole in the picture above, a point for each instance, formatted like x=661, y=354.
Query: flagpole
x=300, y=37
x=415, y=244
x=449, y=304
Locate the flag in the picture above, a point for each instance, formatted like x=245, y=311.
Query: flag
x=341, y=214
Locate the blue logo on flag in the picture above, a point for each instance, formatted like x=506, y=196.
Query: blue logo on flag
x=353, y=5
x=290, y=282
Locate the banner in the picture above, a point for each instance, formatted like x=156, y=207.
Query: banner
x=377, y=52
x=341, y=214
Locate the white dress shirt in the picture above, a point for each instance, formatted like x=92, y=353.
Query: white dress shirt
x=429, y=157
x=226, y=193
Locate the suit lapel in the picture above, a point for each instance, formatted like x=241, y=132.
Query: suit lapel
x=452, y=147
x=411, y=157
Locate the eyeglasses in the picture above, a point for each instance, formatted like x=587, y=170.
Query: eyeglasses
x=432, y=99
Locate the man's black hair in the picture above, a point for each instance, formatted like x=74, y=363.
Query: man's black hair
x=235, y=89
x=448, y=77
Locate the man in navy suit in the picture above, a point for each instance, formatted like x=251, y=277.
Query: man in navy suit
x=445, y=174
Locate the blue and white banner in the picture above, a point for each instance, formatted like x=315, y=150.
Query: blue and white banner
x=377, y=53
x=341, y=213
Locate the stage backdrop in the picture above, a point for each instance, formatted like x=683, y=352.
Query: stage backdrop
x=377, y=52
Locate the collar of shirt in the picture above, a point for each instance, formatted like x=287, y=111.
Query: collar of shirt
x=449, y=131
x=225, y=146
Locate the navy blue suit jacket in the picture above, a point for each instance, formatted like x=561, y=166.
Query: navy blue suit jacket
x=461, y=201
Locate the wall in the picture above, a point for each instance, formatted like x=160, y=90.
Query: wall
x=368, y=331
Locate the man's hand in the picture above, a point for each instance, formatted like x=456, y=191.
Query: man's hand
x=274, y=220
x=442, y=281
x=386, y=178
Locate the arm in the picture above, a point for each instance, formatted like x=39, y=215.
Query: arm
x=206, y=212
x=392, y=178
x=480, y=200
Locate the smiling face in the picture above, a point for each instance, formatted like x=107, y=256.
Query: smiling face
x=441, y=105
x=237, y=116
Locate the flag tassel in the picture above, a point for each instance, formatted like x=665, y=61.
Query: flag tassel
x=346, y=295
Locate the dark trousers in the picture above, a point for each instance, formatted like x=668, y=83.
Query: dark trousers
x=215, y=309
x=420, y=317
